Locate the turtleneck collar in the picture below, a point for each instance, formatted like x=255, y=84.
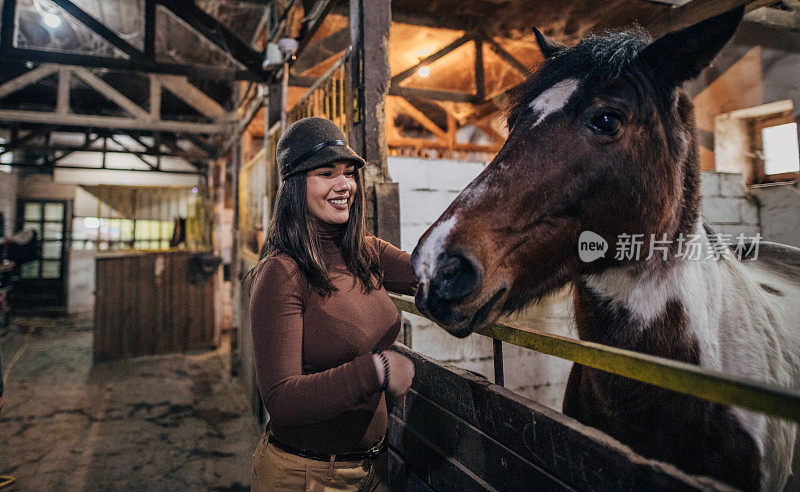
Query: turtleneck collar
x=328, y=232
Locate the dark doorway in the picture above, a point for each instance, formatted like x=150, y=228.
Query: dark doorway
x=43, y=282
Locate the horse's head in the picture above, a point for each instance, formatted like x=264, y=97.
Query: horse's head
x=602, y=140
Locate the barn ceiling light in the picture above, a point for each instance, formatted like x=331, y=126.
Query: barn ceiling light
x=424, y=71
x=51, y=20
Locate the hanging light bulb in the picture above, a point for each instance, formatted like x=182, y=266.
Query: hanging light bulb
x=424, y=71
x=51, y=20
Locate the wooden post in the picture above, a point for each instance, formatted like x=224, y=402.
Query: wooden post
x=236, y=284
x=369, y=76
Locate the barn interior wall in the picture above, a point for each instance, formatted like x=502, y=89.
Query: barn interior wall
x=758, y=66
x=426, y=189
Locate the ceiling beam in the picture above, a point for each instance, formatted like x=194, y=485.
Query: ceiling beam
x=403, y=106
x=84, y=168
x=110, y=122
x=98, y=27
x=215, y=32
x=696, y=11
x=141, y=66
x=191, y=95
x=431, y=58
x=27, y=79
x=506, y=56
x=312, y=24
x=109, y=92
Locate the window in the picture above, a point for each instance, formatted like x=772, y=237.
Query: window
x=103, y=234
x=780, y=150
x=775, y=148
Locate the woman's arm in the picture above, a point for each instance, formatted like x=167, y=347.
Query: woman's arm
x=276, y=321
x=398, y=276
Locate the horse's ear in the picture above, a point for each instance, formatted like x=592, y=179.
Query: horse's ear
x=549, y=47
x=680, y=55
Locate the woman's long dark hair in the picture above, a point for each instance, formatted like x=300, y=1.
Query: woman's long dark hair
x=292, y=231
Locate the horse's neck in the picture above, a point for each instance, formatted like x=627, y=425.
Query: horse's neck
x=663, y=309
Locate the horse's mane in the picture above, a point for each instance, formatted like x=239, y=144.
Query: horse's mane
x=597, y=61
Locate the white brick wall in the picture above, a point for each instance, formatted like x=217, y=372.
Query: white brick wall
x=726, y=205
x=427, y=187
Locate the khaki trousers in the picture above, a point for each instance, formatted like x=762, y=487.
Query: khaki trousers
x=277, y=470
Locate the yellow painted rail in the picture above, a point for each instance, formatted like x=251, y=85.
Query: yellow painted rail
x=658, y=371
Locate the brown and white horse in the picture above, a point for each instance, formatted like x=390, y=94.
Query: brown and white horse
x=603, y=139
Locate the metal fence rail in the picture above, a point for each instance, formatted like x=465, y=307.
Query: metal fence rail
x=658, y=371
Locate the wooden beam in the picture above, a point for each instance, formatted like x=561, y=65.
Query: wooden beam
x=91, y=121
x=318, y=51
x=27, y=79
x=506, y=56
x=368, y=75
x=155, y=98
x=312, y=24
x=140, y=66
x=434, y=94
x=215, y=32
x=411, y=110
x=431, y=58
x=8, y=25
x=150, y=29
x=98, y=27
x=85, y=168
x=112, y=94
x=480, y=76
x=435, y=144
x=696, y=11
x=64, y=82
x=192, y=96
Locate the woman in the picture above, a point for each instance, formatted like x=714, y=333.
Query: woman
x=322, y=323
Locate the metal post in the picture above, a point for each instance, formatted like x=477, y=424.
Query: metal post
x=498, y=363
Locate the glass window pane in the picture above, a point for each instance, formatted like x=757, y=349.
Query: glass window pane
x=52, y=230
x=164, y=245
x=126, y=230
x=54, y=211
x=30, y=269
x=781, y=153
x=33, y=211
x=51, y=269
x=78, y=229
x=51, y=250
x=36, y=226
x=102, y=245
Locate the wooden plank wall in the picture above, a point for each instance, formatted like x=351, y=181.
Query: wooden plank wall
x=146, y=305
x=457, y=431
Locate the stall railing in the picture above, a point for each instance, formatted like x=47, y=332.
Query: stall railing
x=665, y=373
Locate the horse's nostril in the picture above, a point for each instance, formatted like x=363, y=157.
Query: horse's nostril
x=455, y=277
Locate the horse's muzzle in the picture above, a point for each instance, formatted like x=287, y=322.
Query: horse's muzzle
x=454, y=279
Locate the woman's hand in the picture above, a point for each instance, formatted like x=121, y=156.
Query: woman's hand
x=401, y=372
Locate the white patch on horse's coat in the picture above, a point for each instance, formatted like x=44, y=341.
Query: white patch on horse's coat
x=553, y=99
x=737, y=331
x=431, y=248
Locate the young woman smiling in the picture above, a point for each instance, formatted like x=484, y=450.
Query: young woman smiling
x=322, y=323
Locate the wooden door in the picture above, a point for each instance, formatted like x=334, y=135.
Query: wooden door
x=43, y=282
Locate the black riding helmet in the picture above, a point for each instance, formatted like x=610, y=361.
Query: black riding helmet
x=311, y=143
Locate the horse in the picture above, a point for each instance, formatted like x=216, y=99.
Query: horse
x=602, y=141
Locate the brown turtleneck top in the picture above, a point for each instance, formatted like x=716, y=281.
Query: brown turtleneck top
x=313, y=355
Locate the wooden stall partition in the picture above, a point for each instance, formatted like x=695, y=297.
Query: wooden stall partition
x=147, y=303
x=458, y=431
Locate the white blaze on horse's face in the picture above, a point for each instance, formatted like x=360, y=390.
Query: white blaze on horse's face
x=430, y=250
x=553, y=99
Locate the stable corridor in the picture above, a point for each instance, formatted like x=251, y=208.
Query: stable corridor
x=172, y=422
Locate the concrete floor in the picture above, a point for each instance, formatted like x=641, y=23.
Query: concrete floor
x=173, y=422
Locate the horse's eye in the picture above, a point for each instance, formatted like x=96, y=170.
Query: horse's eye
x=606, y=123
